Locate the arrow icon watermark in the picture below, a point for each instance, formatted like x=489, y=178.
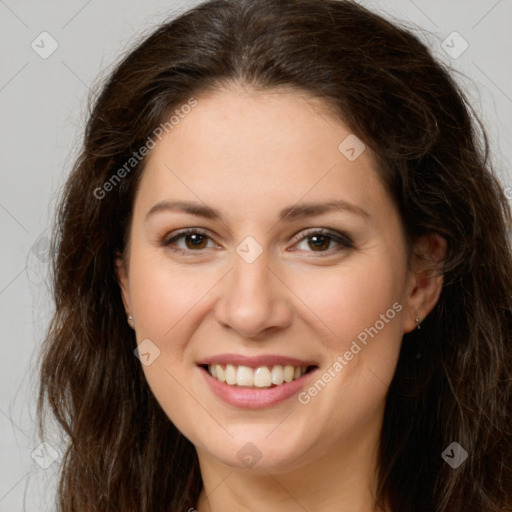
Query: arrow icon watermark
x=147, y=352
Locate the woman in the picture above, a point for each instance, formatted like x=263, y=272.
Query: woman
x=282, y=276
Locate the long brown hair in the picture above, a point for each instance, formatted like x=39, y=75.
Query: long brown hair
x=122, y=452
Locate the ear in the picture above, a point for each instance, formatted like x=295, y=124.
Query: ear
x=425, y=278
x=122, y=279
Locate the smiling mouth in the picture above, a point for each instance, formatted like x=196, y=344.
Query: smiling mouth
x=260, y=377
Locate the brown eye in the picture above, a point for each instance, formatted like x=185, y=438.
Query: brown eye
x=323, y=241
x=319, y=242
x=195, y=241
x=187, y=241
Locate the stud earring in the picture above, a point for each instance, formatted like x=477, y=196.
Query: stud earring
x=419, y=340
x=130, y=321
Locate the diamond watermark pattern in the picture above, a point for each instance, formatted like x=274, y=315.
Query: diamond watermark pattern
x=454, y=45
x=42, y=249
x=44, y=45
x=249, y=455
x=249, y=250
x=351, y=147
x=454, y=455
x=44, y=455
x=147, y=352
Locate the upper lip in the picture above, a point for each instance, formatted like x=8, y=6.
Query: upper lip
x=254, y=361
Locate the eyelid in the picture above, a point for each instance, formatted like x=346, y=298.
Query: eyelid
x=343, y=240
x=166, y=241
x=335, y=235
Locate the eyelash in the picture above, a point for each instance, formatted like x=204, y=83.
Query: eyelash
x=340, y=238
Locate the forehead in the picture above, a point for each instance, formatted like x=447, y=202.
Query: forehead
x=244, y=148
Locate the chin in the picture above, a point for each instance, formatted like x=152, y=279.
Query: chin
x=256, y=450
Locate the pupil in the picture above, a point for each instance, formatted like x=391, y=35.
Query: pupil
x=319, y=241
x=195, y=239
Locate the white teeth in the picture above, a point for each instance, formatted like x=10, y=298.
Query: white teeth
x=244, y=376
x=289, y=372
x=261, y=377
x=277, y=375
x=219, y=370
x=230, y=374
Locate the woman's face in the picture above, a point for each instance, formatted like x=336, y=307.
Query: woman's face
x=295, y=262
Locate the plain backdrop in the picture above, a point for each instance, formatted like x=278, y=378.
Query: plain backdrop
x=43, y=100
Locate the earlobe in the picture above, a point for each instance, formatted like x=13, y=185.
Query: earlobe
x=426, y=279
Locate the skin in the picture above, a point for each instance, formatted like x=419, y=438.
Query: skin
x=250, y=154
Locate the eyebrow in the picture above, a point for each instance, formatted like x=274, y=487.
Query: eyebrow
x=289, y=213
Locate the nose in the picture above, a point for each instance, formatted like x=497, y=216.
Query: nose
x=253, y=300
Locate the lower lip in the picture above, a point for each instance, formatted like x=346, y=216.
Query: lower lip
x=254, y=398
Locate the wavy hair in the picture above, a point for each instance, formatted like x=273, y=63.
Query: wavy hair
x=122, y=452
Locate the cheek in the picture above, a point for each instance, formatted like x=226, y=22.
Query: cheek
x=164, y=295
x=348, y=299
x=362, y=304
x=165, y=301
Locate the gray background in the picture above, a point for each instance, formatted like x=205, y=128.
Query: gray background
x=42, y=110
